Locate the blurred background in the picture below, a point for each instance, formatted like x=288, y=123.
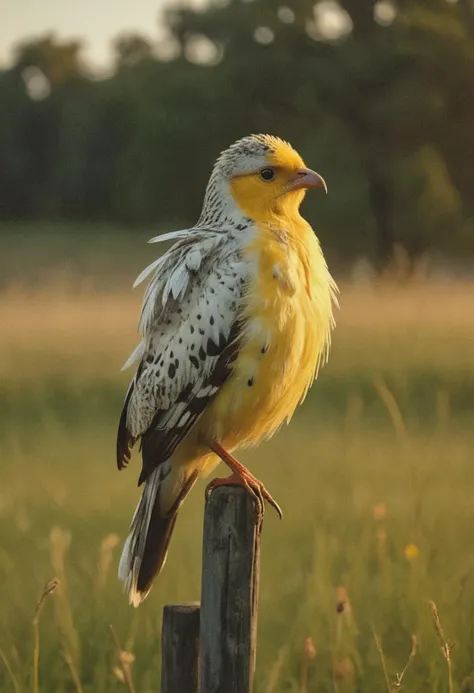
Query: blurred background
x=123, y=125
x=111, y=116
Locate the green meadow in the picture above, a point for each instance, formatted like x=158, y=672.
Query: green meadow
x=375, y=476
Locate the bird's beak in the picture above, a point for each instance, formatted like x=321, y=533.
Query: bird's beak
x=306, y=178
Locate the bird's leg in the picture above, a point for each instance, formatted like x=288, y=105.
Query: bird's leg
x=241, y=477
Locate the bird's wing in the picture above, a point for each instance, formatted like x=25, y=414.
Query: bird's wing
x=191, y=329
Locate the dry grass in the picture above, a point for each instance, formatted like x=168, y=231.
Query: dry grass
x=379, y=520
x=47, y=591
x=430, y=323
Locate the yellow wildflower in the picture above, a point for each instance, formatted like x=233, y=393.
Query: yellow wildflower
x=411, y=552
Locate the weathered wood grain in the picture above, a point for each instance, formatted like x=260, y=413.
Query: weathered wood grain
x=180, y=648
x=229, y=597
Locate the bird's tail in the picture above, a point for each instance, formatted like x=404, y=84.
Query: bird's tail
x=145, y=549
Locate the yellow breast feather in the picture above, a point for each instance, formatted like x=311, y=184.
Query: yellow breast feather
x=288, y=313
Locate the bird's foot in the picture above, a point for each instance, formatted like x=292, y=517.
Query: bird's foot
x=242, y=477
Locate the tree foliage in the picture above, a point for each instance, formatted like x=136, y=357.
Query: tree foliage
x=378, y=97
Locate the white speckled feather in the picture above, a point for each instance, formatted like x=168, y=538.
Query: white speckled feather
x=185, y=317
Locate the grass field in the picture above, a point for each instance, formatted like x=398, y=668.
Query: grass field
x=375, y=476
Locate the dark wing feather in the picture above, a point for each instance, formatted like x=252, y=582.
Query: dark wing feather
x=159, y=443
x=125, y=440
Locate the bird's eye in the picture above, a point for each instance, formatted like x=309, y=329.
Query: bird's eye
x=267, y=174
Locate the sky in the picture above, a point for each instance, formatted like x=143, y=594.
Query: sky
x=98, y=22
x=95, y=21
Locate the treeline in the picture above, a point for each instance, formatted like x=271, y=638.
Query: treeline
x=378, y=96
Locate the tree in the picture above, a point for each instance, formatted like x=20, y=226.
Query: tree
x=377, y=95
x=371, y=79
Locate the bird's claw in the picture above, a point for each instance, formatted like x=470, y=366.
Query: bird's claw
x=254, y=487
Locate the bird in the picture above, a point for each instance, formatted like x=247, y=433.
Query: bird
x=236, y=320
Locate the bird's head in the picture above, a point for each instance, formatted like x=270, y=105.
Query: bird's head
x=262, y=175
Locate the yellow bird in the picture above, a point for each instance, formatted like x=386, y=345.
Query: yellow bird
x=235, y=323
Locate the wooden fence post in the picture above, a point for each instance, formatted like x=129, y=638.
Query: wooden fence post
x=180, y=648
x=229, y=597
